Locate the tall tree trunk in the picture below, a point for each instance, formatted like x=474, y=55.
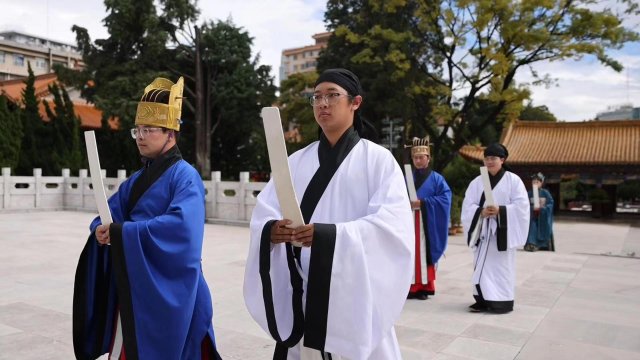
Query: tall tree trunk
x=201, y=151
x=207, y=120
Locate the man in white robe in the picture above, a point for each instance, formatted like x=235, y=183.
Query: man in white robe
x=495, y=232
x=337, y=296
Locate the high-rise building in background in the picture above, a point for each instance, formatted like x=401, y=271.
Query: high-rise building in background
x=621, y=112
x=302, y=59
x=17, y=49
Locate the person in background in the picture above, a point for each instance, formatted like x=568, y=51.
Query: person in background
x=541, y=225
x=495, y=231
x=431, y=219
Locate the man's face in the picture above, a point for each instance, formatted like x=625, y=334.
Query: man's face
x=421, y=161
x=335, y=112
x=493, y=163
x=151, y=140
x=537, y=183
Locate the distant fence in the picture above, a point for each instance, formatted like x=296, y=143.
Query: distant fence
x=231, y=201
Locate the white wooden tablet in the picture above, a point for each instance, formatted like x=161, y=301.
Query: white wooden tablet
x=96, y=178
x=408, y=175
x=278, y=159
x=488, y=194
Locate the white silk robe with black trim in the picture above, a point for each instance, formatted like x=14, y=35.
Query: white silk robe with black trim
x=495, y=247
x=355, y=276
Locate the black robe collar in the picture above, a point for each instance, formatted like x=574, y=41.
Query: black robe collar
x=331, y=157
x=153, y=169
x=421, y=176
x=495, y=179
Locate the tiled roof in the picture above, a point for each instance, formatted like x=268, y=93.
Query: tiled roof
x=568, y=143
x=90, y=117
x=12, y=89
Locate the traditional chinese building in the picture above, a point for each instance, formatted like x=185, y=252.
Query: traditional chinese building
x=600, y=153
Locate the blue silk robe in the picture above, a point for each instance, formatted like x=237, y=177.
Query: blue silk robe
x=151, y=274
x=435, y=196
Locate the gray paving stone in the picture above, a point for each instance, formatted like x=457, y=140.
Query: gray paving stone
x=497, y=334
x=570, y=304
x=544, y=347
x=478, y=349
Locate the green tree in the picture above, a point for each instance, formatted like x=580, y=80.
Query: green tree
x=536, y=113
x=120, y=66
x=374, y=39
x=444, y=56
x=65, y=138
x=629, y=190
x=34, y=130
x=295, y=107
x=10, y=134
x=234, y=88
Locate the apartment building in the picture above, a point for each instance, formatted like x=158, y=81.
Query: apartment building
x=17, y=49
x=302, y=59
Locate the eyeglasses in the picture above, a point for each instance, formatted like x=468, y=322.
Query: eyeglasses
x=143, y=131
x=329, y=99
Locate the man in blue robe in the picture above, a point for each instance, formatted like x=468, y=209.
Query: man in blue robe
x=431, y=218
x=541, y=225
x=144, y=296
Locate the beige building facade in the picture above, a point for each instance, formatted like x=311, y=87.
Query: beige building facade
x=302, y=59
x=18, y=49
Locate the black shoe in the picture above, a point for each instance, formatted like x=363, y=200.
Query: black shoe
x=430, y=292
x=477, y=307
x=422, y=296
x=411, y=296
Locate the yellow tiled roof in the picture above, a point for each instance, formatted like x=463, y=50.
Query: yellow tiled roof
x=568, y=143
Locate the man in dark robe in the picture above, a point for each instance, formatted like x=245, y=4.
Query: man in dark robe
x=541, y=225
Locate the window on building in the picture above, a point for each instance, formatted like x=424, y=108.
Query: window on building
x=40, y=63
x=18, y=60
x=2, y=56
x=295, y=57
x=295, y=67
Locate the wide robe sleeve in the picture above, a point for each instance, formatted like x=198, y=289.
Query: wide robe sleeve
x=514, y=213
x=94, y=294
x=545, y=218
x=154, y=267
x=372, y=266
x=157, y=266
x=437, y=207
x=470, y=214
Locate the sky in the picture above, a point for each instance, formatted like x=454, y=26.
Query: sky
x=582, y=88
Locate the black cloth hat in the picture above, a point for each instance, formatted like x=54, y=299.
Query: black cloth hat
x=350, y=82
x=496, y=149
x=343, y=77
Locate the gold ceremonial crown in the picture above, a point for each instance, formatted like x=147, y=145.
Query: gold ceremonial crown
x=420, y=146
x=159, y=114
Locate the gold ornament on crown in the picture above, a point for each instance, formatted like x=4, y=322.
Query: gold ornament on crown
x=158, y=114
x=420, y=146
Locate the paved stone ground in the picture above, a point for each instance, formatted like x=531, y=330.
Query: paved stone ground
x=581, y=302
